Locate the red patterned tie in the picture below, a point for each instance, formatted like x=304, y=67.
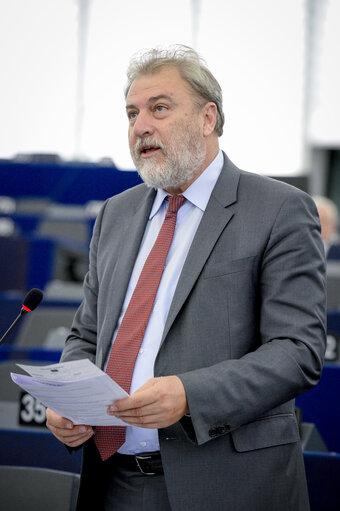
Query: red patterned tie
x=131, y=331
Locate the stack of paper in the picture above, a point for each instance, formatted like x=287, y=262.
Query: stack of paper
x=77, y=390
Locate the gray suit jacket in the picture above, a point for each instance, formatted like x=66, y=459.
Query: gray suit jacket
x=245, y=333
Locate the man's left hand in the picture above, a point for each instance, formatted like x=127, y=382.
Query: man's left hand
x=159, y=403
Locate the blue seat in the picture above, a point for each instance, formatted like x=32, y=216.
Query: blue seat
x=36, y=449
x=323, y=478
x=35, y=489
x=320, y=405
x=63, y=182
x=25, y=263
x=28, y=355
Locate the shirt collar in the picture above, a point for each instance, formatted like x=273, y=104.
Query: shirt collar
x=198, y=193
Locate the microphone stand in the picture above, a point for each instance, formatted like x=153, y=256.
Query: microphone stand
x=20, y=315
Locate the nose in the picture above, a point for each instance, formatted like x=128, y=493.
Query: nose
x=143, y=126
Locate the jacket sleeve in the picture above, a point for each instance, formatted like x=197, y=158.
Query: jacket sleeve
x=82, y=341
x=292, y=317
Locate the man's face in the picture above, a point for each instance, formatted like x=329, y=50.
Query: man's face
x=328, y=226
x=165, y=129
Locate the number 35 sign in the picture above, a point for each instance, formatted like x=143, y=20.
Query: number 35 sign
x=31, y=411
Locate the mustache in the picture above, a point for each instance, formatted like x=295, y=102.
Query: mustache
x=148, y=141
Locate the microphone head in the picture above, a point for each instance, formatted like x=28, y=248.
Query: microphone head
x=32, y=299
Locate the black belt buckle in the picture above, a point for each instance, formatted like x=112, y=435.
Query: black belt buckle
x=140, y=460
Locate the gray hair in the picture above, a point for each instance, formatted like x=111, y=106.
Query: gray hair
x=192, y=69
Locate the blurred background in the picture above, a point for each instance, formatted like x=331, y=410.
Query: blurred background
x=63, y=66
x=64, y=150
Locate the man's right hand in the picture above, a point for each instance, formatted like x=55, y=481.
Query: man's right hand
x=65, y=431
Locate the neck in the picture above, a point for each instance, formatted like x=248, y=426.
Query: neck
x=177, y=190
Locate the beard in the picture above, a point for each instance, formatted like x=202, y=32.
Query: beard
x=183, y=157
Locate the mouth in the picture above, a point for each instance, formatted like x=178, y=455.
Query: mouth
x=147, y=151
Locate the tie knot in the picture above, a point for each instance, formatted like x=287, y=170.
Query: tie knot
x=175, y=202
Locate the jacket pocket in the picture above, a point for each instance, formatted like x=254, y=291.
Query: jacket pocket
x=227, y=267
x=266, y=432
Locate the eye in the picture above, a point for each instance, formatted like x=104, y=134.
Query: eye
x=132, y=115
x=160, y=108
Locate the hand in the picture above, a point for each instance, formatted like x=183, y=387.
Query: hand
x=159, y=403
x=65, y=431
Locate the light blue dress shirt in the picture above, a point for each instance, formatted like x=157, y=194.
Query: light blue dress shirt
x=188, y=219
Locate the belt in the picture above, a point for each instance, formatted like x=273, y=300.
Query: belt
x=148, y=463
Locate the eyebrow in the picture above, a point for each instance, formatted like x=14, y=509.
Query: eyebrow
x=153, y=99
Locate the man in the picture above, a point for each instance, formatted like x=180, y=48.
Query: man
x=237, y=328
x=329, y=219
x=328, y=214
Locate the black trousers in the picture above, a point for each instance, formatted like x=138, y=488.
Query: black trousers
x=105, y=486
x=134, y=491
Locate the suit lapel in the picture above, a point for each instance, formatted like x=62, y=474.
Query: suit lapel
x=215, y=219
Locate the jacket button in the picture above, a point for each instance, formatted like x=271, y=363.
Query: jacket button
x=219, y=430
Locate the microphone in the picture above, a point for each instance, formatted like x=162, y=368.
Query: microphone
x=31, y=301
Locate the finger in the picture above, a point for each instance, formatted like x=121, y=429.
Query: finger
x=71, y=433
x=57, y=421
x=149, y=422
x=138, y=399
x=157, y=412
x=76, y=442
x=71, y=438
x=143, y=411
x=65, y=431
x=70, y=430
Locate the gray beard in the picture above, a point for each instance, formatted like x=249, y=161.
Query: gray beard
x=183, y=159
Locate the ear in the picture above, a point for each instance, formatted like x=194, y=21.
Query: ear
x=209, y=120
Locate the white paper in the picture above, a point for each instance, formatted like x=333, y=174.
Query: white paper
x=64, y=371
x=77, y=390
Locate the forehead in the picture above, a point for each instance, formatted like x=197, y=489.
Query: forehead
x=325, y=213
x=167, y=81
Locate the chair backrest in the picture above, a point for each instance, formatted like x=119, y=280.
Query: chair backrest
x=9, y=391
x=333, y=285
x=55, y=338
x=62, y=290
x=17, y=408
x=323, y=476
x=320, y=406
x=36, y=448
x=7, y=226
x=35, y=489
x=14, y=257
x=32, y=205
x=37, y=325
x=73, y=230
x=7, y=205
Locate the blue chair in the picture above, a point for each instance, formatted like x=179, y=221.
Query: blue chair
x=35, y=489
x=37, y=449
x=323, y=479
x=320, y=406
x=25, y=263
